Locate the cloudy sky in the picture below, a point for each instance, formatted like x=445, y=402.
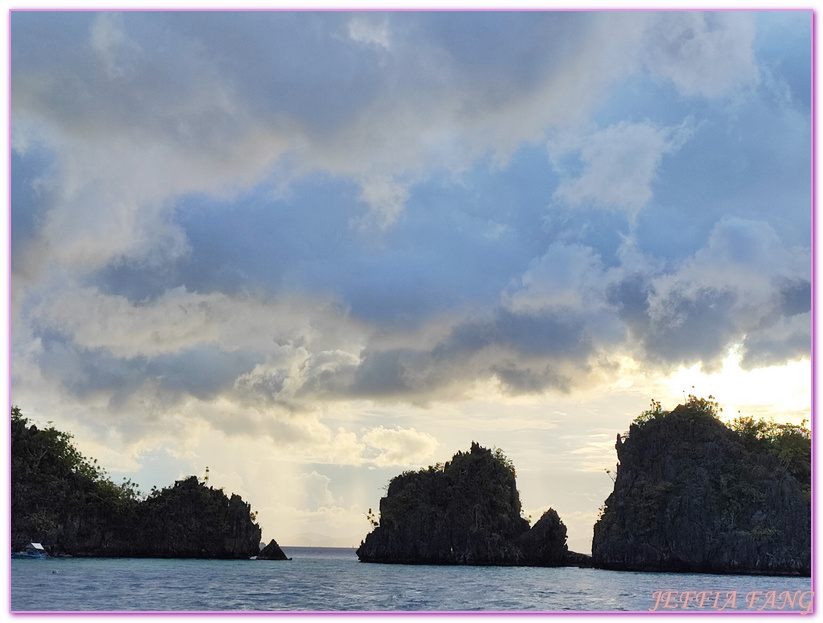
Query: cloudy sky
x=312, y=250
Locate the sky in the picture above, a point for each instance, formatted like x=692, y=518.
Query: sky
x=311, y=250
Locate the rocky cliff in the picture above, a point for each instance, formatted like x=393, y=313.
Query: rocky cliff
x=692, y=494
x=65, y=502
x=464, y=512
x=186, y=520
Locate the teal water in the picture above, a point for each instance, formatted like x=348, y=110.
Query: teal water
x=331, y=579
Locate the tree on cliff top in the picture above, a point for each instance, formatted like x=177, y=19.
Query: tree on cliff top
x=693, y=493
x=479, y=473
x=50, y=479
x=67, y=502
x=465, y=511
x=791, y=443
x=694, y=406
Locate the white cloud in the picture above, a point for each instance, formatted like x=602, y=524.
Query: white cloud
x=314, y=491
x=566, y=277
x=107, y=38
x=734, y=291
x=369, y=29
x=386, y=197
x=707, y=54
x=617, y=165
x=742, y=257
x=180, y=320
x=400, y=446
x=345, y=449
x=187, y=125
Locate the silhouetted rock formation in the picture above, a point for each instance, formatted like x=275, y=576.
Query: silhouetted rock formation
x=272, y=551
x=545, y=544
x=464, y=512
x=691, y=494
x=65, y=502
x=191, y=520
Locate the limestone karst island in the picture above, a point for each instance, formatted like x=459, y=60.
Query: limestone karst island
x=464, y=512
x=691, y=494
x=65, y=502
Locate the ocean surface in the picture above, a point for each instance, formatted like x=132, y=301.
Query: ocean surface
x=332, y=579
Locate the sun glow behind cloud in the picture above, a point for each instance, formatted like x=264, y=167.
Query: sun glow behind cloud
x=780, y=392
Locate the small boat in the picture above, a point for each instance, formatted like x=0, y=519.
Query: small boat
x=33, y=550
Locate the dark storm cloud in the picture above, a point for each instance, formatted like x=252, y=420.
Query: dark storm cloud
x=697, y=327
x=546, y=334
x=202, y=372
x=503, y=52
x=519, y=379
x=630, y=298
x=87, y=71
x=686, y=326
x=300, y=65
x=763, y=351
x=519, y=350
x=30, y=198
x=795, y=297
x=86, y=373
x=301, y=68
x=388, y=373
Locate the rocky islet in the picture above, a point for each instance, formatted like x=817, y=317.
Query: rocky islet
x=64, y=501
x=691, y=494
x=465, y=512
x=694, y=495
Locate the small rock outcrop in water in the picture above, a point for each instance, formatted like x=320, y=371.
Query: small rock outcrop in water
x=464, y=512
x=64, y=501
x=545, y=544
x=692, y=494
x=272, y=551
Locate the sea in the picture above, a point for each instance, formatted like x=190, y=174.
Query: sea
x=333, y=580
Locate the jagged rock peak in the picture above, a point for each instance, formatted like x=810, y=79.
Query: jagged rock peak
x=694, y=494
x=466, y=511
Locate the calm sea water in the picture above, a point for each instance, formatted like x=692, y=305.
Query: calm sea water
x=332, y=579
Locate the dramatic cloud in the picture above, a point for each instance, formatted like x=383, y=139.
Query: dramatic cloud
x=743, y=283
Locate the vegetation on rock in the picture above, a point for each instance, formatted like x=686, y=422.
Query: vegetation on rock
x=464, y=512
x=66, y=502
x=693, y=494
